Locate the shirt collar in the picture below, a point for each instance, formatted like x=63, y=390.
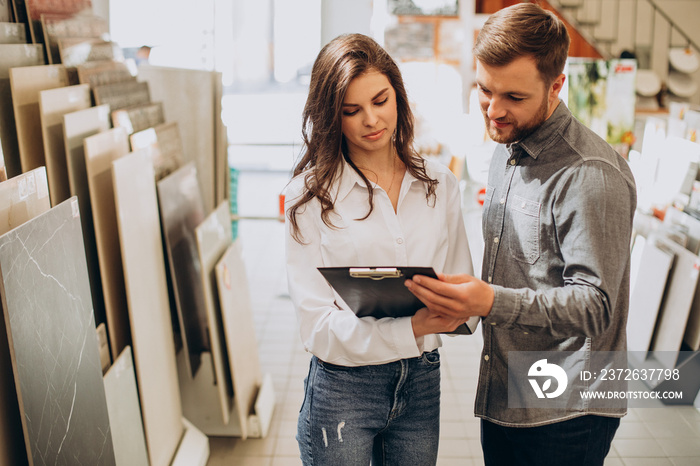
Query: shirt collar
x=539, y=140
x=348, y=178
x=345, y=181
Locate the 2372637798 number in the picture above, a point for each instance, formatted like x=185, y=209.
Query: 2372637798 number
x=638, y=374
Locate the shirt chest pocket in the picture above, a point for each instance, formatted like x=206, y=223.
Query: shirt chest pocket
x=523, y=231
x=337, y=247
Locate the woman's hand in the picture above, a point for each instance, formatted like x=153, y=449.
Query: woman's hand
x=426, y=322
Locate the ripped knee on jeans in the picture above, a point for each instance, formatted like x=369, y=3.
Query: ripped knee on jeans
x=341, y=424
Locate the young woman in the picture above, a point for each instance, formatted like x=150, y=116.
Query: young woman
x=361, y=196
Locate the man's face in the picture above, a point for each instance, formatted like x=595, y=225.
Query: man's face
x=514, y=99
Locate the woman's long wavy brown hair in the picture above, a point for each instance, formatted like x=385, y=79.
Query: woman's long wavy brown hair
x=337, y=64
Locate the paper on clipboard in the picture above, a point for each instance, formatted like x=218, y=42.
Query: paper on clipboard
x=380, y=291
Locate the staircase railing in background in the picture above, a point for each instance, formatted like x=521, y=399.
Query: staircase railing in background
x=573, y=10
x=672, y=24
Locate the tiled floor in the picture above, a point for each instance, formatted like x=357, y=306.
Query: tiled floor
x=647, y=436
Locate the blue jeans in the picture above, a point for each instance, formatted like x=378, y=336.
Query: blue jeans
x=582, y=441
x=388, y=413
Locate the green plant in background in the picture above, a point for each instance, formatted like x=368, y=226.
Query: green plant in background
x=602, y=96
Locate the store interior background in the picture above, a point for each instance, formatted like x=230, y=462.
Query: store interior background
x=264, y=50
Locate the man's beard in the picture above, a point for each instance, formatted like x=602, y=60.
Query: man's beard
x=518, y=132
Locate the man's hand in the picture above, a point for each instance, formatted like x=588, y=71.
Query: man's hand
x=453, y=296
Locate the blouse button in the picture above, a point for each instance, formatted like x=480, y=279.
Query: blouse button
x=399, y=240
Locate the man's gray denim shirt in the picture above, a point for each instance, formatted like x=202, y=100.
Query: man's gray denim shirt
x=557, y=223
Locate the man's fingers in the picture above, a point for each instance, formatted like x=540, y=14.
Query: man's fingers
x=438, y=287
x=434, y=301
x=456, y=279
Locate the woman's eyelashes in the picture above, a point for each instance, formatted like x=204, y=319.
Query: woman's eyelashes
x=353, y=112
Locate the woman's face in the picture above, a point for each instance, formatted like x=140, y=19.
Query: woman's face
x=369, y=113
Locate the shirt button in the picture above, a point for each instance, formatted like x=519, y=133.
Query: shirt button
x=399, y=240
x=486, y=357
x=503, y=201
x=495, y=240
x=490, y=277
x=522, y=206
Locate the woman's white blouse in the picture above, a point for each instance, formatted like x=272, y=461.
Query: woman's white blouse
x=420, y=233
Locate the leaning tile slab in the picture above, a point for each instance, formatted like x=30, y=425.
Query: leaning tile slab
x=55, y=356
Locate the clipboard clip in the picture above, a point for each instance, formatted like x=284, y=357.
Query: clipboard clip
x=378, y=273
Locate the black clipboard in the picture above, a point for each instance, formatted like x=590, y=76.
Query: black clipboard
x=380, y=291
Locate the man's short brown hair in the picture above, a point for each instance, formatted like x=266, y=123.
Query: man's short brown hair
x=524, y=29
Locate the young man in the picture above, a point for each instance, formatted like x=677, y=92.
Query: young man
x=557, y=222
